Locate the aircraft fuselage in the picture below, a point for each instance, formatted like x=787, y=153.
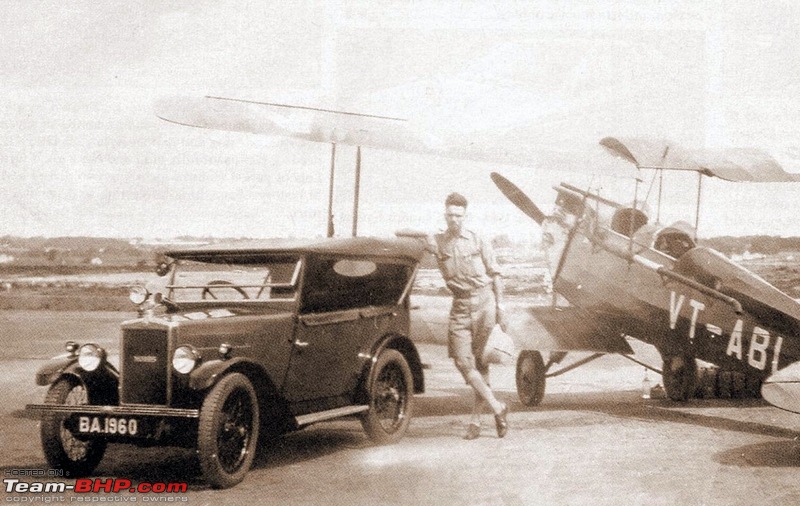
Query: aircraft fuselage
x=697, y=303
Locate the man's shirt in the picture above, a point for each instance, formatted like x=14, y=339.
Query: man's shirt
x=466, y=260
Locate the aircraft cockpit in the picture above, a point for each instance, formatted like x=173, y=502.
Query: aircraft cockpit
x=627, y=220
x=568, y=208
x=674, y=240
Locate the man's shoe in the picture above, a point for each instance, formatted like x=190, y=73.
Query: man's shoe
x=473, y=432
x=501, y=422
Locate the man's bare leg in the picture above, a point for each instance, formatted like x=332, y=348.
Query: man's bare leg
x=482, y=393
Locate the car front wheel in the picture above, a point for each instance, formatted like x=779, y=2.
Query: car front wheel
x=390, y=399
x=62, y=450
x=228, y=431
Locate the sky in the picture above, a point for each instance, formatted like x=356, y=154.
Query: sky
x=82, y=153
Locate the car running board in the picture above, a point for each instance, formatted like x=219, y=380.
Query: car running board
x=329, y=414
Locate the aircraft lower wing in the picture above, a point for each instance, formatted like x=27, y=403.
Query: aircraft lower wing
x=782, y=389
x=547, y=328
x=542, y=328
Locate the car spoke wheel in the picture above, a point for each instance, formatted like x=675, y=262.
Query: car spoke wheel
x=530, y=377
x=680, y=375
x=228, y=431
x=63, y=450
x=390, y=398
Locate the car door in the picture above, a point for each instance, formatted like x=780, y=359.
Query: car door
x=332, y=335
x=325, y=359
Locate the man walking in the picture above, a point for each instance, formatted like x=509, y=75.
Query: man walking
x=470, y=271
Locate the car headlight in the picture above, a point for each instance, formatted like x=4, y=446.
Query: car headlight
x=138, y=294
x=185, y=359
x=90, y=356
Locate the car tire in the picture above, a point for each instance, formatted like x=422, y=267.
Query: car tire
x=62, y=450
x=228, y=431
x=530, y=377
x=391, y=398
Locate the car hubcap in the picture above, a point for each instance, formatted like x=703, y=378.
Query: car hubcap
x=75, y=449
x=235, y=429
x=390, y=403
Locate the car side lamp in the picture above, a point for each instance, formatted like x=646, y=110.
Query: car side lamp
x=72, y=348
x=225, y=351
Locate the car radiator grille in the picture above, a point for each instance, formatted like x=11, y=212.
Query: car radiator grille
x=145, y=372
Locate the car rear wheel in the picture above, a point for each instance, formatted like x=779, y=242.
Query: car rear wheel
x=390, y=399
x=228, y=431
x=62, y=450
x=530, y=377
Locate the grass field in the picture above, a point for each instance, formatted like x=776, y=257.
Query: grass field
x=104, y=289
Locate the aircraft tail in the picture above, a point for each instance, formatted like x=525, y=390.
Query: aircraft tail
x=782, y=389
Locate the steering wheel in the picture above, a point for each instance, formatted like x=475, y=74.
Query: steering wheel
x=221, y=283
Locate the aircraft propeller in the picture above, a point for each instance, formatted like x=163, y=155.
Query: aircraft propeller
x=518, y=197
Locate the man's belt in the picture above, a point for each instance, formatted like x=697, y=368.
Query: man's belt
x=460, y=293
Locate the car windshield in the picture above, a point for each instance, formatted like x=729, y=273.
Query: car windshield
x=233, y=280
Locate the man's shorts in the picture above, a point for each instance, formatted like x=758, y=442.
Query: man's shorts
x=472, y=319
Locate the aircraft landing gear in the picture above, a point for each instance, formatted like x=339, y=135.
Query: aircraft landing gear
x=717, y=383
x=680, y=375
x=530, y=377
x=532, y=372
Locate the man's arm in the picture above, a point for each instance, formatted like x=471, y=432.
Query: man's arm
x=493, y=270
x=498, y=288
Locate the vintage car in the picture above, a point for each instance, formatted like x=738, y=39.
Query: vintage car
x=240, y=343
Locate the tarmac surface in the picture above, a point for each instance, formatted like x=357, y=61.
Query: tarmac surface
x=593, y=440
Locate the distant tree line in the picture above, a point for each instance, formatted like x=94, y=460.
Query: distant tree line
x=78, y=250
x=766, y=244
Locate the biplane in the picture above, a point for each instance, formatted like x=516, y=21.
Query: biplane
x=621, y=272
x=624, y=274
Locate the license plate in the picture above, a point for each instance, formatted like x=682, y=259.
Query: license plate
x=107, y=425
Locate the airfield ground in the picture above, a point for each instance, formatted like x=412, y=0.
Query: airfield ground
x=592, y=441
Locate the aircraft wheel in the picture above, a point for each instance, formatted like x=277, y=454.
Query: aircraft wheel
x=680, y=375
x=739, y=385
x=725, y=385
x=752, y=387
x=530, y=377
x=706, y=387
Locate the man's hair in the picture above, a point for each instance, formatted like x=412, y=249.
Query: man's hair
x=455, y=199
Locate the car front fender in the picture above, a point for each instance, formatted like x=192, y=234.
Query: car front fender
x=102, y=384
x=53, y=369
x=209, y=372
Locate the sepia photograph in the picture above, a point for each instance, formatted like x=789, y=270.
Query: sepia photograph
x=436, y=252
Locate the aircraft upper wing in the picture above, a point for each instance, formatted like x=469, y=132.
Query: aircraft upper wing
x=382, y=132
x=493, y=145
x=734, y=164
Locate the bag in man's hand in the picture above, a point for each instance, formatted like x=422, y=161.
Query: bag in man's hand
x=499, y=348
